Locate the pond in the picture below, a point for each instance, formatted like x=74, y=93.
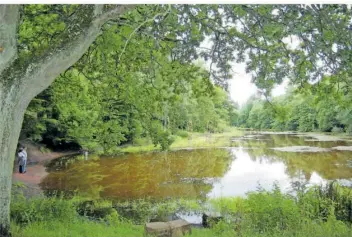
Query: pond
x=252, y=160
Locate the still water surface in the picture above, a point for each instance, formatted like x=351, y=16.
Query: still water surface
x=252, y=160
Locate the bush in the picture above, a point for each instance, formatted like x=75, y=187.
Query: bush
x=271, y=210
x=160, y=136
x=337, y=130
x=318, y=201
x=41, y=209
x=349, y=130
x=182, y=133
x=317, y=211
x=96, y=209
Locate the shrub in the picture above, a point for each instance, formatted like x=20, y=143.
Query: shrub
x=318, y=201
x=314, y=212
x=41, y=209
x=182, y=133
x=96, y=209
x=349, y=129
x=337, y=129
x=270, y=210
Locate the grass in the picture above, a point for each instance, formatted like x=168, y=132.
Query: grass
x=213, y=140
x=193, y=140
x=311, y=229
x=313, y=212
x=77, y=228
x=58, y=217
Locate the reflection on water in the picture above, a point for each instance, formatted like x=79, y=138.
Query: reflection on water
x=247, y=172
x=187, y=174
x=203, y=172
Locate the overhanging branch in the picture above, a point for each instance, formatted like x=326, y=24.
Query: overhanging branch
x=116, y=12
x=9, y=17
x=41, y=71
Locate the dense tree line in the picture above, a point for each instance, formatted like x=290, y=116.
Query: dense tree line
x=323, y=107
x=99, y=113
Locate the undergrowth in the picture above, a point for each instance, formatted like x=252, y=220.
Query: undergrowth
x=320, y=211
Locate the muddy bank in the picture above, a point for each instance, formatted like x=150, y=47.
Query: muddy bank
x=29, y=181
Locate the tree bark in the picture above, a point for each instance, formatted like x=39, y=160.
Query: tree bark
x=10, y=127
x=20, y=84
x=9, y=16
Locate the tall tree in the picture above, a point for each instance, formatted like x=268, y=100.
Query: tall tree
x=49, y=39
x=24, y=76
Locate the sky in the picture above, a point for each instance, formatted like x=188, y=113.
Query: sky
x=241, y=87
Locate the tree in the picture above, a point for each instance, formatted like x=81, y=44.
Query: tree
x=33, y=54
x=23, y=75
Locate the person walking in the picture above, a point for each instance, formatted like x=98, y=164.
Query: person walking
x=22, y=160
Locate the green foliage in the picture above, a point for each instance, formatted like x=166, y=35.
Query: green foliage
x=96, y=115
x=24, y=211
x=324, y=108
x=77, y=228
x=316, y=211
x=143, y=210
x=324, y=202
x=160, y=136
x=183, y=134
x=178, y=31
x=151, y=58
x=96, y=209
x=271, y=210
x=117, y=91
x=337, y=130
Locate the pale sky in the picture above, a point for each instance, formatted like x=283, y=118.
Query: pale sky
x=241, y=87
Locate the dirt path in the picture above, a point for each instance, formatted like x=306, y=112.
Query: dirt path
x=35, y=169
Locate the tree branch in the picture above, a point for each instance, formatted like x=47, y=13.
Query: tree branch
x=41, y=72
x=111, y=14
x=163, y=15
x=9, y=18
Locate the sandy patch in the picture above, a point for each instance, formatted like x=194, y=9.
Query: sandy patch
x=326, y=138
x=301, y=149
x=282, y=133
x=342, y=148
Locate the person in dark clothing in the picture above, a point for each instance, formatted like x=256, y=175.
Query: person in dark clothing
x=22, y=159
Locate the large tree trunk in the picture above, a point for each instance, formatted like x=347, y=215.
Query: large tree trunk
x=20, y=84
x=10, y=122
x=10, y=125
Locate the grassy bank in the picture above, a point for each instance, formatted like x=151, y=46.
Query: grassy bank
x=315, y=212
x=188, y=140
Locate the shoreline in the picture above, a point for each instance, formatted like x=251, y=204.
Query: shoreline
x=36, y=169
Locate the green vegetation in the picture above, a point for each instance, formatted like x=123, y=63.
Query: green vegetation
x=105, y=113
x=324, y=107
x=317, y=211
x=126, y=74
x=193, y=140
